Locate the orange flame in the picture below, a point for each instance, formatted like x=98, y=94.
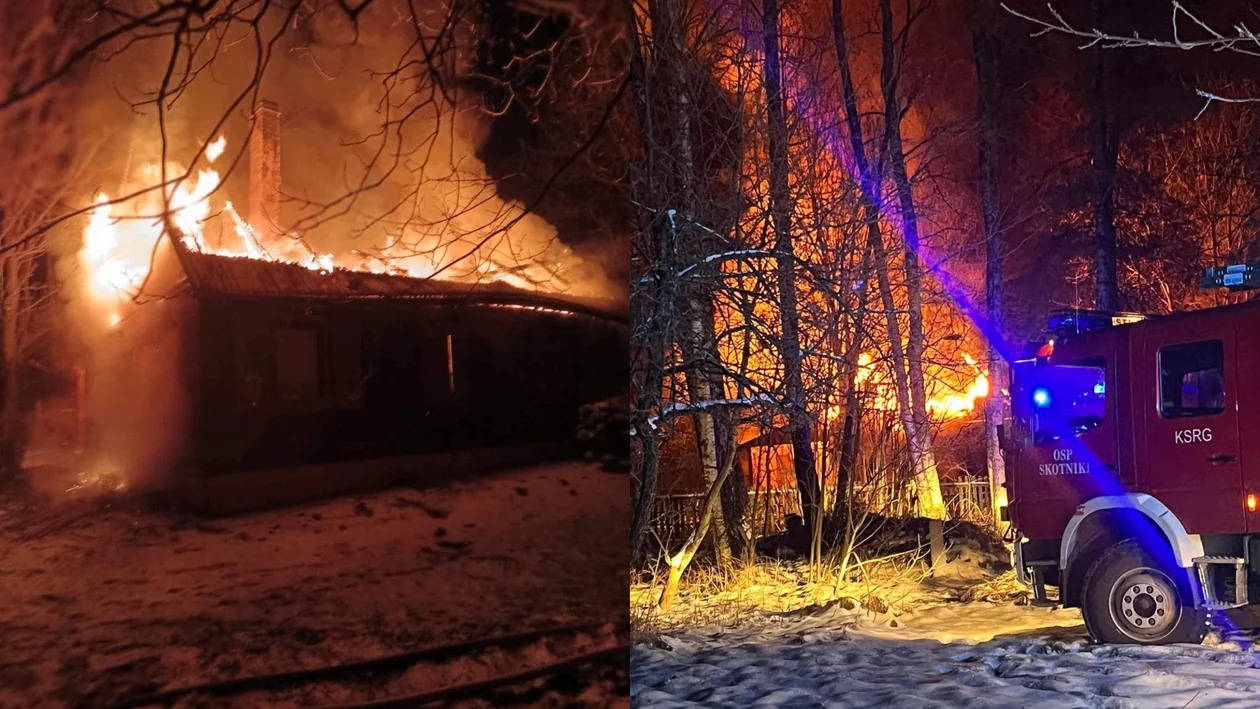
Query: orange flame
x=118, y=248
x=941, y=405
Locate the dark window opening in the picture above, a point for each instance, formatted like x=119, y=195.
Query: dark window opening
x=299, y=365
x=1192, y=379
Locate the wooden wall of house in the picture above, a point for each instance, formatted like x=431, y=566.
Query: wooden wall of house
x=295, y=383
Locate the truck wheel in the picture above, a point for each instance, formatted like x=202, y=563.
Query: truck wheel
x=1129, y=597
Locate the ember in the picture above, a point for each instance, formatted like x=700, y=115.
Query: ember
x=101, y=479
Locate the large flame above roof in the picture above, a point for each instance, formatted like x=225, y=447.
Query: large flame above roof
x=121, y=240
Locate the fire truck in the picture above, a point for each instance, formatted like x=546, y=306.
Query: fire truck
x=1133, y=466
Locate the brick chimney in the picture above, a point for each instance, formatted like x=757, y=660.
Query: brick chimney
x=264, y=172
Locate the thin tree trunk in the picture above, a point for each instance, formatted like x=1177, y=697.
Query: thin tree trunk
x=984, y=42
x=780, y=215
x=12, y=430
x=901, y=385
x=851, y=437
x=735, y=491
x=645, y=469
x=740, y=513
x=926, y=483
x=869, y=180
x=667, y=26
x=670, y=56
x=698, y=389
x=826, y=444
x=749, y=531
x=1104, y=151
x=679, y=561
x=653, y=325
x=652, y=320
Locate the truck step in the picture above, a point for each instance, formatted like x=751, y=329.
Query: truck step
x=1233, y=560
x=1203, y=564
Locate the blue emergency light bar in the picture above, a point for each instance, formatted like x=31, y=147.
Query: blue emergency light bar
x=1238, y=277
x=1069, y=322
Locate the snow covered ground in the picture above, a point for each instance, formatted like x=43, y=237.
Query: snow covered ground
x=106, y=604
x=951, y=655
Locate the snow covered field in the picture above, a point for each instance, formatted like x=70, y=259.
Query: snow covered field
x=977, y=655
x=106, y=604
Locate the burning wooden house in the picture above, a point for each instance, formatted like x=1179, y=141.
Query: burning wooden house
x=333, y=380
x=245, y=375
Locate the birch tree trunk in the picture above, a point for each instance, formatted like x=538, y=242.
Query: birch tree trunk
x=734, y=500
x=679, y=562
x=984, y=43
x=926, y=484
x=668, y=29
x=698, y=390
x=780, y=216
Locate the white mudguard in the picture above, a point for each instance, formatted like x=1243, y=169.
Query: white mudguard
x=1186, y=547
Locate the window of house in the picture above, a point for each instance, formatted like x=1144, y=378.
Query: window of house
x=299, y=365
x=1192, y=379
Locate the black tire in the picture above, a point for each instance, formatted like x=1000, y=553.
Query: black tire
x=1130, y=598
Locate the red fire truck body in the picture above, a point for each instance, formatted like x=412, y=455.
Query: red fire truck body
x=1133, y=469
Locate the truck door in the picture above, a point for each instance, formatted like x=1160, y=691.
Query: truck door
x=1190, y=396
x=1070, y=451
x=1247, y=387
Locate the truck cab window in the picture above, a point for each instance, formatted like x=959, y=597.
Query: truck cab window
x=1192, y=379
x=1062, y=400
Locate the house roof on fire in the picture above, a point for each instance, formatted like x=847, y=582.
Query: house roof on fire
x=225, y=276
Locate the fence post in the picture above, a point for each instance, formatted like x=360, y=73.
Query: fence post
x=936, y=533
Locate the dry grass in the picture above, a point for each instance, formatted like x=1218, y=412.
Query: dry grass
x=737, y=595
x=1003, y=589
x=888, y=575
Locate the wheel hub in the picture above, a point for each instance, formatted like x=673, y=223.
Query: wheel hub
x=1144, y=604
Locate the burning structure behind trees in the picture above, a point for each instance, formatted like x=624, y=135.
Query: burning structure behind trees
x=852, y=213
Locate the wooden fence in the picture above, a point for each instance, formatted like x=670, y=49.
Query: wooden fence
x=970, y=500
x=674, y=516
